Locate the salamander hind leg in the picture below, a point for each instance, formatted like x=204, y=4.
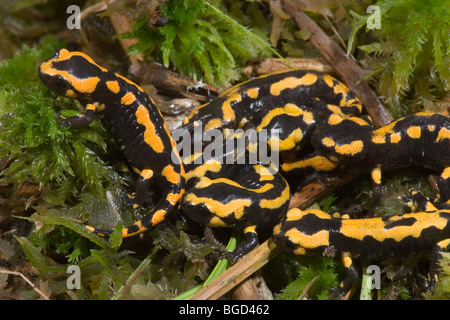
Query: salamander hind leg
x=444, y=186
x=350, y=278
x=377, y=190
x=434, y=262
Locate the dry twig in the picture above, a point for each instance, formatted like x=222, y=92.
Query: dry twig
x=17, y=273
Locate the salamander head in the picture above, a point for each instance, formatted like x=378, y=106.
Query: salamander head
x=71, y=74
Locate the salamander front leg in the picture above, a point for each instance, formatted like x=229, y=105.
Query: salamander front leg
x=141, y=196
x=81, y=120
x=251, y=241
x=444, y=186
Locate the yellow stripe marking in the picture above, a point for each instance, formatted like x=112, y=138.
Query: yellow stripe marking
x=212, y=166
x=171, y=175
x=206, y=182
x=375, y=227
x=129, y=81
x=263, y=172
x=91, y=106
x=150, y=135
x=222, y=210
x=292, y=82
x=289, y=109
x=70, y=94
x=346, y=260
x=350, y=148
x=141, y=229
x=379, y=139
x=289, y=143
x=312, y=241
x=319, y=163
x=227, y=110
x=277, y=202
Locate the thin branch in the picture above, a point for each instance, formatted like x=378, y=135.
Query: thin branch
x=17, y=273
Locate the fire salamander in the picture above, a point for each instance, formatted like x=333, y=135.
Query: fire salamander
x=422, y=139
x=247, y=197
x=288, y=105
x=317, y=232
x=136, y=123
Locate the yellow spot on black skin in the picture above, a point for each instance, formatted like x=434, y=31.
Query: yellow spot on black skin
x=414, y=132
x=376, y=175
x=444, y=133
x=113, y=86
x=171, y=175
x=253, y=93
x=446, y=173
x=146, y=174
x=328, y=142
x=71, y=94
x=395, y=138
x=128, y=99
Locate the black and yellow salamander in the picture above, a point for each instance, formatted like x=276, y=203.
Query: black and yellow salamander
x=288, y=105
x=249, y=198
x=422, y=139
x=137, y=125
x=317, y=232
x=245, y=196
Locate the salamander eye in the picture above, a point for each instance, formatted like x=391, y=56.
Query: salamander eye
x=60, y=82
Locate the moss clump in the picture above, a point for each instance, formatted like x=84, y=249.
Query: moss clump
x=200, y=40
x=409, y=53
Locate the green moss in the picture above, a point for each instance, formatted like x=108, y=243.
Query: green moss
x=308, y=269
x=410, y=65
x=201, y=40
x=442, y=287
x=63, y=161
